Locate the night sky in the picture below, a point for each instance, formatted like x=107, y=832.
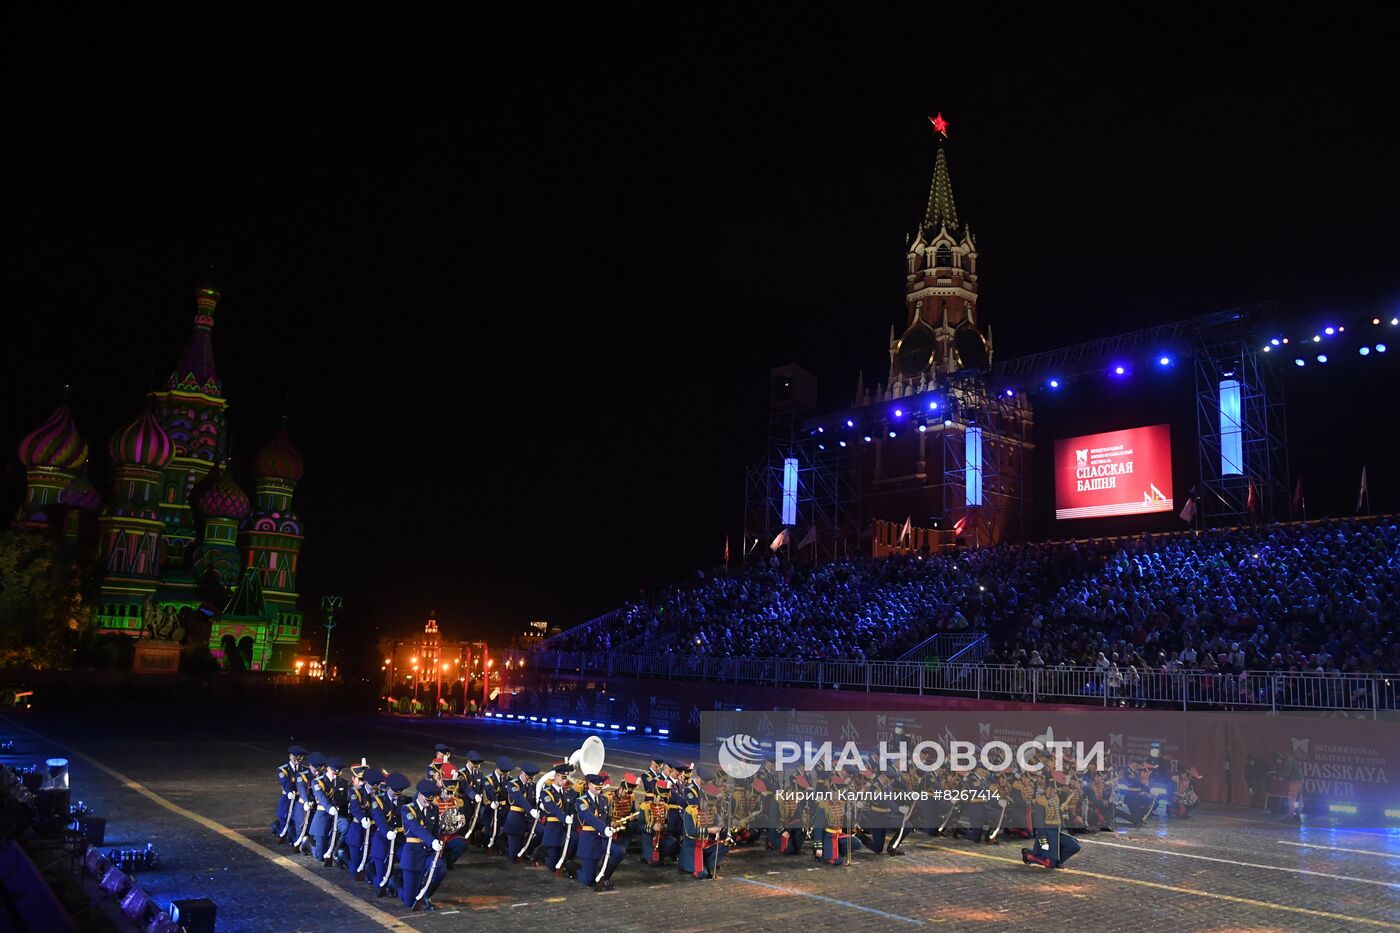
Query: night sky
x=520, y=284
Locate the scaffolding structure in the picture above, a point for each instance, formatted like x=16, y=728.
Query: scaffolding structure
x=826, y=510
x=996, y=468
x=1241, y=425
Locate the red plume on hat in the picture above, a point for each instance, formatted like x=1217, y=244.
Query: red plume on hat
x=629, y=778
x=760, y=786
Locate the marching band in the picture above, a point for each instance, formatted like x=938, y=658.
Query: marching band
x=572, y=820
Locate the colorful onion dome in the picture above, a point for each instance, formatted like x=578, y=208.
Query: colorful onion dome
x=220, y=496
x=54, y=444
x=81, y=494
x=279, y=459
x=143, y=442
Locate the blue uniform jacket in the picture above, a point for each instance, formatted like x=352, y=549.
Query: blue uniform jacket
x=552, y=813
x=593, y=815
x=518, y=808
x=418, y=838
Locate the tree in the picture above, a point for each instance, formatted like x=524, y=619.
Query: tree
x=43, y=605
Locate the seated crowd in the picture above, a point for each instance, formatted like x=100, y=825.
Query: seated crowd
x=1296, y=597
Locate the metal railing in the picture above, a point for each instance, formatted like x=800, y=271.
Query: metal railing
x=1133, y=687
x=943, y=645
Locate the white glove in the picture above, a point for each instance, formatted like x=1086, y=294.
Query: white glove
x=608, y=831
x=904, y=809
x=569, y=820
x=306, y=806
x=291, y=795
x=534, y=814
x=494, y=805
x=390, y=834
x=334, y=811
x=437, y=845
x=365, y=821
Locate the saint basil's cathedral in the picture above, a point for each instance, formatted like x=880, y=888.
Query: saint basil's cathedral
x=179, y=544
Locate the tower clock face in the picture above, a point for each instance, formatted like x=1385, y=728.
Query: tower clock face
x=915, y=350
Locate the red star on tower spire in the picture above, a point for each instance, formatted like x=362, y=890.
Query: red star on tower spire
x=940, y=125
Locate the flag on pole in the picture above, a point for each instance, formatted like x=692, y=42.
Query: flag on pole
x=779, y=541
x=1188, y=511
x=810, y=538
x=1251, y=503
x=908, y=527
x=726, y=549
x=1363, y=495
x=960, y=526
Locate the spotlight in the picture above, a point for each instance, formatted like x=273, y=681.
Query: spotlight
x=850, y=423
x=1365, y=351
x=899, y=412
x=1274, y=341
x=1380, y=348
x=1299, y=362
x=1341, y=807
x=923, y=428
x=1164, y=361
x=1322, y=357
x=1267, y=348
x=933, y=406
x=1375, y=320
x=1118, y=370
x=1394, y=321
x=1054, y=383
x=843, y=443
x=1285, y=339
x=821, y=447
x=1010, y=393
x=867, y=438
x=821, y=430
x=1329, y=331
x=892, y=434
x=1341, y=330
x=1317, y=338
x=947, y=422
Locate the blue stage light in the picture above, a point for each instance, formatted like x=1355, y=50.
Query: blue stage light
x=1267, y=348
x=1164, y=361
x=892, y=434
x=947, y=422
x=663, y=731
x=1394, y=321
x=1119, y=370
x=1299, y=362
x=1054, y=383
x=933, y=406
x=843, y=443
x=1274, y=341
x=1329, y=331
x=1010, y=393
x=1317, y=338
x=1365, y=351
x=899, y=412
x=867, y=438
x=821, y=447
x=923, y=428
x=1322, y=357
x=821, y=430
x=850, y=423
x=1380, y=348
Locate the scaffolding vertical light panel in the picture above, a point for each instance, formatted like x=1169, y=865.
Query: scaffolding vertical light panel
x=790, y=491
x=973, y=458
x=1231, y=431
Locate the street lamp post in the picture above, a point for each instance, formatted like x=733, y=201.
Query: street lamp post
x=330, y=605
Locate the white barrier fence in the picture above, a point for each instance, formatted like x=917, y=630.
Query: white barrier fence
x=1184, y=689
